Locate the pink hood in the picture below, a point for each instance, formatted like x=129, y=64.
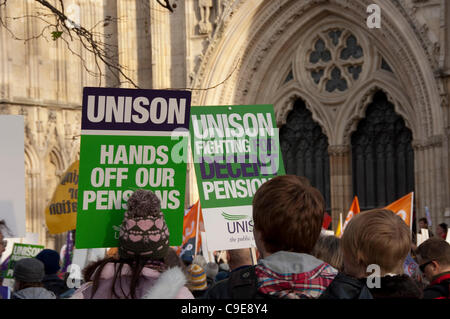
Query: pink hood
x=152, y=284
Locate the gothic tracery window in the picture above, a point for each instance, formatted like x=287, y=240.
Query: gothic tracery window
x=382, y=156
x=305, y=149
x=335, y=60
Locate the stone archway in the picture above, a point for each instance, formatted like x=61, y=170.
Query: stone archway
x=263, y=48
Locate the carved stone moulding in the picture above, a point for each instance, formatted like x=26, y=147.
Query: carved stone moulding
x=432, y=142
x=339, y=150
x=274, y=26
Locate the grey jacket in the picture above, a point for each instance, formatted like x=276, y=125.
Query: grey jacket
x=33, y=293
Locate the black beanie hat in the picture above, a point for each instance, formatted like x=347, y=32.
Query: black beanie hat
x=50, y=259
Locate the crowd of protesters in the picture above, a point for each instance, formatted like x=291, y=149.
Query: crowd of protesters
x=300, y=262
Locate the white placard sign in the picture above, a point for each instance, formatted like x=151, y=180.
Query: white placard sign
x=12, y=174
x=425, y=234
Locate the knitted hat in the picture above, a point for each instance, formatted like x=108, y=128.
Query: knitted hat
x=29, y=270
x=196, y=277
x=211, y=270
x=50, y=259
x=143, y=231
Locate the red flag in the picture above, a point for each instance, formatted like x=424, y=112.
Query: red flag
x=326, y=221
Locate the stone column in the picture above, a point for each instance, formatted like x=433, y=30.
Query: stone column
x=340, y=181
x=111, y=38
x=127, y=40
x=161, y=46
x=430, y=183
x=446, y=173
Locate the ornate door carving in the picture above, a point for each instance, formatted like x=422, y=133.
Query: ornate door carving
x=305, y=149
x=382, y=156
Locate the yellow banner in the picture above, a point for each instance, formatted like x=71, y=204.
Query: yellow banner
x=61, y=213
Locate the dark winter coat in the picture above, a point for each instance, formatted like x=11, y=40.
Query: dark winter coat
x=391, y=287
x=55, y=284
x=439, y=287
x=280, y=275
x=346, y=287
x=397, y=287
x=241, y=284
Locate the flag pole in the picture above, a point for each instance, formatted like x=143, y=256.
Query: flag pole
x=412, y=212
x=253, y=252
x=197, y=227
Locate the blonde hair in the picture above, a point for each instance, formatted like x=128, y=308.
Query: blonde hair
x=378, y=237
x=328, y=249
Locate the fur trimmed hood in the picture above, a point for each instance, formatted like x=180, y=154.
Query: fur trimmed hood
x=153, y=284
x=168, y=286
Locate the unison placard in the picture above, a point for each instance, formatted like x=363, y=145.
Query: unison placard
x=21, y=251
x=235, y=149
x=130, y=139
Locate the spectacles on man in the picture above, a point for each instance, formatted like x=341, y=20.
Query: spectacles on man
x=423, y=266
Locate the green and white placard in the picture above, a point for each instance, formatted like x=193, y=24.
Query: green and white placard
x=130, y=139
x=21, y=251
x=235, y=149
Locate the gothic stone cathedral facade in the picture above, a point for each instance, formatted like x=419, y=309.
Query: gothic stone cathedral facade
x=361, y=110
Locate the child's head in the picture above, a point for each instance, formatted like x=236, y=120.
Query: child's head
x=377, y=237
x=287, y=215
x=328, y=249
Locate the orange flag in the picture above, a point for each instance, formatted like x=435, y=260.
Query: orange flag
x=354, y=210
x=403, y=207
x=190, y=226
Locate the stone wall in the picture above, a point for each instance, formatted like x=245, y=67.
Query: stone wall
x=237, y=52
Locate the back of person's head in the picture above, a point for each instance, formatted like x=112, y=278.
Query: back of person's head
x=50, y=258
x=196, y=278
x=143, y=241
x=377, y=237
x=287, y=215
x=173, y=260
x=239, y=257
x=143, y=233
x=28, y=272
x=444, y=227
x=435, y=249
x=328, y=249
x=211, y=270
x=304, y=180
